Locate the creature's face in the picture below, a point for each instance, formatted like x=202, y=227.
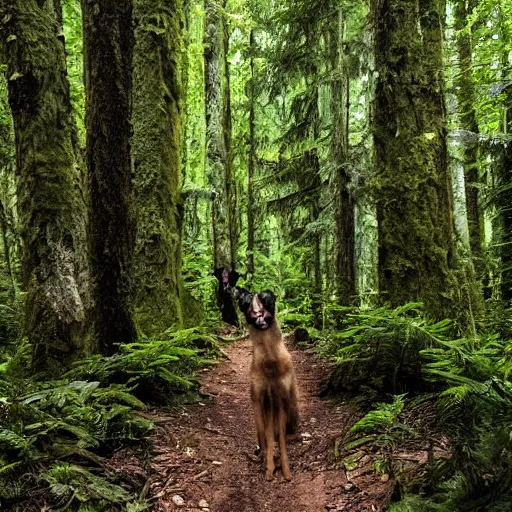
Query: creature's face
x=259, y=308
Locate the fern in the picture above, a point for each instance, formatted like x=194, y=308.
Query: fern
x=382, y=348
x=159, y=370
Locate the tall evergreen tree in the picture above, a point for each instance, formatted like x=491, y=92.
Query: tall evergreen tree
x=251, y=161
x=344, y=210
x=416, y=240
x=157, y=154
x=465, y=91
x=108, y=48
x=218, y=164
x=50, y=204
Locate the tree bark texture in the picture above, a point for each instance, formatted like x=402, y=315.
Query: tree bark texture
x=251, y=163
x=108, y=48
x=465, y=91
x=218, y=139
x=340, y=102
x=50, y=204
x=157, y=145
x=413, y=189
x=217, y=157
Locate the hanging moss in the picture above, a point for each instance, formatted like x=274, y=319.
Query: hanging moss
x=157, y=152
x=50, y=201
x=412, y=185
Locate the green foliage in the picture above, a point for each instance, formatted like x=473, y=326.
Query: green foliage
x=57, y=433
x=382, y=348
x=162, y=370
x=473, y=396
x=79, y=422
x=380, y=426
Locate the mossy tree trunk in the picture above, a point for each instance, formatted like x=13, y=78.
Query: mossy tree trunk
x=50, y=204
x=157, y=153
x=218, y=165
x=413, y=189
x=504, y=179
x=344, y=212
x=217, y=157
x=4, y=227
x=465, y=92
x=251, y=162
x=108, y=48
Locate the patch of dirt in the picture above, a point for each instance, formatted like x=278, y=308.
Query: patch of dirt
x=204, y=455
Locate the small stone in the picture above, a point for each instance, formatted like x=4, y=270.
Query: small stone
x=178, y=500
x=203, y=504
x=349, y=486
x=217, y=462
x=312, y=420
x=305, y=434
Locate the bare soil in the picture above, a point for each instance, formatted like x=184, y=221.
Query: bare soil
x=205, y=453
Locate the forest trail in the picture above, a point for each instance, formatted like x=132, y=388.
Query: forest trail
x=204, y=454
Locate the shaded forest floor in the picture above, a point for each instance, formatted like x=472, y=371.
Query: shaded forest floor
x=205, y=453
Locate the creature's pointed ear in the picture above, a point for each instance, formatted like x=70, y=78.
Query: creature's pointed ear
x=244, y=299
x=233, y=277
x=268, y=299
x=218, y=272
x=271, y=293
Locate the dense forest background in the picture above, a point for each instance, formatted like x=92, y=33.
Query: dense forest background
x=354, y=157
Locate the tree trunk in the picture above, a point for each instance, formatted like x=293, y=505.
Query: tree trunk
x=50, y=206
x=251, y=164
x=504, y=178
x=108, y=46
x=7, y=251
x=340, y=102
x=157, y=152
x=465, y=92
x=231, y=190
x=416, y=239
x=366, y=250
x=218, y=167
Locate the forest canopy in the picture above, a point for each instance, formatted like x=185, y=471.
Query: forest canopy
x=353, y=157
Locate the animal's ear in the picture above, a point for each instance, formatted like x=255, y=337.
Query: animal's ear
x=233, y=277
x=268, y=299
x=271, y=293
x=218, y=273
x=244, y=300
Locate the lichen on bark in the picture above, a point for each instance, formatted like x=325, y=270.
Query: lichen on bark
x=157, y=152
x=412, y=183
x=217, y=161
x=50, y=201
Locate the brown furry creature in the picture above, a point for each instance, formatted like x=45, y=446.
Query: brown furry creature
x=273, y=386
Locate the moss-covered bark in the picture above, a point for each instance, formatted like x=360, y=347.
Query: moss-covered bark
x=416, y=239
x=217, y=157
x=157, y=153
x=251, y=163
x=465, y=91
x=50, y=204
x=108, y=47
x=344, y=211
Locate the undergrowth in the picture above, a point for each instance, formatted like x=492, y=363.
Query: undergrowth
x=398, y=351
x=56, y=436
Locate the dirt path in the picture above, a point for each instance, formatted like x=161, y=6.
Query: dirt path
x=204, y=455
